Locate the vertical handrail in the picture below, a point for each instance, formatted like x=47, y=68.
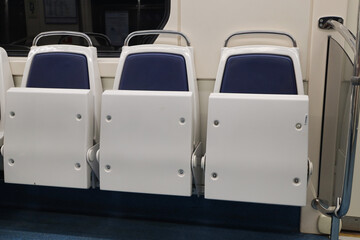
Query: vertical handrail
x=354, y=121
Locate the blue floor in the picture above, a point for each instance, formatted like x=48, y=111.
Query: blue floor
x=27, y=224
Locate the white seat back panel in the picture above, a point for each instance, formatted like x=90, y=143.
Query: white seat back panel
x=256, y=153
x=145, y=147
x=48, y=136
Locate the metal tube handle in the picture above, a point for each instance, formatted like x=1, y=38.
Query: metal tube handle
x=152, y=32
x=347, y=35
x=261, y=32
x=90, y=34
x=57, y=33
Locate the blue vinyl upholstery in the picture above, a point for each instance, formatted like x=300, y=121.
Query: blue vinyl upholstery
x=154, y=72
x=259, y=73
x=59, y=70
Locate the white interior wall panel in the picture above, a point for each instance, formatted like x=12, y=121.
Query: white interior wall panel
x=214, y=22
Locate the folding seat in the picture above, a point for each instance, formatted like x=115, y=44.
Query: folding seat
x=53, y=119
x=6, y=82
x=257, y=132
x=150, y=120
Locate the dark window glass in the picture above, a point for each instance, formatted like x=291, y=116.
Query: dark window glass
x=107, y=22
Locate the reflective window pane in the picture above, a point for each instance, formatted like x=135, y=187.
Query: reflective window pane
x=107, y=22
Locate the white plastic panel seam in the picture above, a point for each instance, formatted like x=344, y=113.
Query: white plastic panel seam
x=293, y=53
x=146, y=142
x=48, y=133
x=257, y=148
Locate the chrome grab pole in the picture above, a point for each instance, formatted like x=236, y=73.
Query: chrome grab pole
x=353, y=131
x=344, y=200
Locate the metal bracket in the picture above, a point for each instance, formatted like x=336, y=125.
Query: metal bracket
x=324, y=208
x=322, y=23
x=310, y=169
x=2, y=150
x=355, y=81
x=203, y=162
x=1, y=138
x=92, y=159
x=338, y=205
x=197, y=172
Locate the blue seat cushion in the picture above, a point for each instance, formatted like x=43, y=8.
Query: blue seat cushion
x=154, y=72
x=259, y=73
x=59, y=70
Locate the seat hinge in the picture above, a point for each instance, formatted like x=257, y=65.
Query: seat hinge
x=310, y=169
x=2, y=150
x=355, y=81
x=92, y=159
x=197, y=172
x=203, y=162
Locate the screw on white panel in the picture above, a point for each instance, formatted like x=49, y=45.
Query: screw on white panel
x=77, y=165
x=108, y=118
x=11, y=162
x=107, y=168
x=12, y=114
x=216, y=123
x=296, y=180
x=182, y=121
x=298, y=126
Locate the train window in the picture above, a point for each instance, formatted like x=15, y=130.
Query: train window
x=107, y=22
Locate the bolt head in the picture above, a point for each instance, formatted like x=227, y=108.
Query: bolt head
x=182, y=120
